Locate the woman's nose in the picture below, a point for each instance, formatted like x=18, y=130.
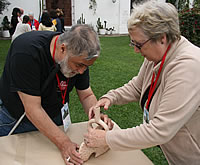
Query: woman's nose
x=137, y=50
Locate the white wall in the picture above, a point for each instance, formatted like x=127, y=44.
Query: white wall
x=27, y=5
x=116, y=14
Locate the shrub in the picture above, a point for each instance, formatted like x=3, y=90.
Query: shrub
x=3, y=5
x=190, y=24
x=5, y=23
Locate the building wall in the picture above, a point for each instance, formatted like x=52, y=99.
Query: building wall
x=115, y=14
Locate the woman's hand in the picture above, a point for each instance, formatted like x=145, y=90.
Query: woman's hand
x=104, y=102
x=107, y=120
x=70, y=154
x=95, y=138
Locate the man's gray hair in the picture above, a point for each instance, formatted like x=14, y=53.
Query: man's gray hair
x=155, y=19
x=31, y=13
x=81, y=39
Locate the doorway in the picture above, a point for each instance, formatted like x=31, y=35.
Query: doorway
x=65, y=5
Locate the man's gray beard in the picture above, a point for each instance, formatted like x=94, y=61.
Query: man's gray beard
x=66, y=71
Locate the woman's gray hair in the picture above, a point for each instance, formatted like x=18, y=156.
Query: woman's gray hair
x=81, y=39
x=155, y=19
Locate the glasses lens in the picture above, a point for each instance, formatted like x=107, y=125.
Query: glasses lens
x=135, y=44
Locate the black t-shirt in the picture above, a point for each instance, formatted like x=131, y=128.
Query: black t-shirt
x=28, y=65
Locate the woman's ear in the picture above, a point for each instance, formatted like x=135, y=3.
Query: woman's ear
x=163, y=39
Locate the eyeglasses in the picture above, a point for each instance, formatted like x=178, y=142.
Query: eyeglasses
x=138, y=45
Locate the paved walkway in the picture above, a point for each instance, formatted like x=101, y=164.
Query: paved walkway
x=5, y=38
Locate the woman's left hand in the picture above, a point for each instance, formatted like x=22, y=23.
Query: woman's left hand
x=95, y=138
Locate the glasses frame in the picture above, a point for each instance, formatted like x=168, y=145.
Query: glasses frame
x=138, y=45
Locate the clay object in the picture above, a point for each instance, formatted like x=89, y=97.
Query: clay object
x=86, y=151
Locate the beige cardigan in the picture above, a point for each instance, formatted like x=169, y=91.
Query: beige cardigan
x=45, y=28
x=174, y=111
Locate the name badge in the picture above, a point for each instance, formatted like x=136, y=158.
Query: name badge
x=66, y=116
x=146, y=116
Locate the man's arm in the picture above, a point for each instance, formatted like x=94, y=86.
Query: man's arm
x=87, y=98
x=36, y=114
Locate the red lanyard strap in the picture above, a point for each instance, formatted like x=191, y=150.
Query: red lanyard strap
x=63, y=95
x=153, y=84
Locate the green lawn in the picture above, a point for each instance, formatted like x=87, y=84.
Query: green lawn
x=117, y=65
x=4, y=45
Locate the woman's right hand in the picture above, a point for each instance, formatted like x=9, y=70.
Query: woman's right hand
x=104, y=102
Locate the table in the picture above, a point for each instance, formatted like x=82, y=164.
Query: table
x=33, y=148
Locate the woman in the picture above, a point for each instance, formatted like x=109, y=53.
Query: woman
x=14, y=20
x=46, y=23
x=167, y=88
x=55, y=20
x=60, y=15
x=22, y=27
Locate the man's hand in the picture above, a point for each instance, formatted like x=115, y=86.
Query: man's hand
x=69, y=151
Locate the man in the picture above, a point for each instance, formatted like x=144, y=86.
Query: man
x=34, y=24
x=41, y=69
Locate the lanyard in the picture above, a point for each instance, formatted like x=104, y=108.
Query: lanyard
x=58, y=80
x=153, y=84
x=32, y=23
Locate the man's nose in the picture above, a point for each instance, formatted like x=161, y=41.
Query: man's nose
x=81, y=70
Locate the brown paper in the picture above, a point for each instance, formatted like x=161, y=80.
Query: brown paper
x=35, y=149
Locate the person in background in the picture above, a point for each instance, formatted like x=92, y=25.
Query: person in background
x=46, y=23
x=41, y=69
x=14, y=20
x=60, y=15
x=22, y=27
x=34, y=24
x=20, y=18
x=55, y=20
x=167, y=88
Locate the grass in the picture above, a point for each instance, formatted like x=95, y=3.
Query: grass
x=4, y=46
x=116, y=66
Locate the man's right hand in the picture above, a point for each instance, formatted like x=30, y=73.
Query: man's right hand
x=69, y=151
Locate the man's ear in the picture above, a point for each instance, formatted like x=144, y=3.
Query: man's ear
x=63, y=48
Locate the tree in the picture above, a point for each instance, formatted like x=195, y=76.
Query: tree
x=4, y=5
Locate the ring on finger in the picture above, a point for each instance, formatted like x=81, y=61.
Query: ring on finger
x=85, y=141
x=68, y=159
